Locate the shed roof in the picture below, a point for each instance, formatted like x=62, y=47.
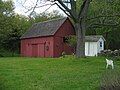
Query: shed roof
x=93, y=38
x=45, y=28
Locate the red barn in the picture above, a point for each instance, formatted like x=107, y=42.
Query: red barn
x=47, y=39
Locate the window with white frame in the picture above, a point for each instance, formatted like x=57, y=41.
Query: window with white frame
x=100, y=44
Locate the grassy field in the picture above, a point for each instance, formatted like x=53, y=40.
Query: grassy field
x=19, y=73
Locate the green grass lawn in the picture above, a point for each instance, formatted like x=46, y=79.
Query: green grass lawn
x=19, y=73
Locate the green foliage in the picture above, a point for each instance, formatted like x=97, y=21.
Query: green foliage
x=11, y=30
x=47, y=16
x=6, y=7
x=6, y=53
x=72, y=40
x=104, y=19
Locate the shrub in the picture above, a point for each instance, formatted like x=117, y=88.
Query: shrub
x=5, y=53
x=72, y=40
x=110, y=80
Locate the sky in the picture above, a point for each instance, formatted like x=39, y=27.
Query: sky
x=22, y=8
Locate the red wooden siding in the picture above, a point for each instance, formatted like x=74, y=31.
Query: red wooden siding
x=37, y=47
x=59, y=46
x=34, y=50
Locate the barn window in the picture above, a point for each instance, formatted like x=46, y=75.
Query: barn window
x=65, y=39
x=100, y=44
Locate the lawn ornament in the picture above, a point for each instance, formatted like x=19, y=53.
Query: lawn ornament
x=109, y=63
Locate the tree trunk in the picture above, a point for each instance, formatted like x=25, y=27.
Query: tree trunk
x=80, y=34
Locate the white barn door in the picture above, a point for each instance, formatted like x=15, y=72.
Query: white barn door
x=90, y=48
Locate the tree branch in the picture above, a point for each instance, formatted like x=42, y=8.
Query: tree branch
x=63, y=10
x=33, y=9
x=83, y=9
x=49, y=7
x=63, y=5
x=117, y=15
x=44, y=5
x=67, y=9
x=100, y=25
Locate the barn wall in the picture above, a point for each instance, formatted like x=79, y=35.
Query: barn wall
x=65, y=30
x=42, y=46
x=59, y=46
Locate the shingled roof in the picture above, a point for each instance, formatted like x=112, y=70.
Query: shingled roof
x=45, y=28
x=93, y=38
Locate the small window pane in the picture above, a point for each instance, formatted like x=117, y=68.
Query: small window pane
x=100, y=44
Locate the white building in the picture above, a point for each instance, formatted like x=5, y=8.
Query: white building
x=94, y=44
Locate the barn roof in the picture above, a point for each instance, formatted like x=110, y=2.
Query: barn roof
x=93, y=38
x=45, y=28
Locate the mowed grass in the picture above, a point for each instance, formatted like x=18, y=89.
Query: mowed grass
x=20, y=73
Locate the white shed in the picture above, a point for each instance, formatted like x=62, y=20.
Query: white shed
x=94, y=44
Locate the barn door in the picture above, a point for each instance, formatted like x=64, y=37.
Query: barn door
x=35, y=50
x=41, y=50
x=91, y=49
x=38, y=50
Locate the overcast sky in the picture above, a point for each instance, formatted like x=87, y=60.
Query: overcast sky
x=21, y=10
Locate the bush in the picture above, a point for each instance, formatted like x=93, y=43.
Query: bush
x=72, y=40
x=110, y=80
x=5, y=53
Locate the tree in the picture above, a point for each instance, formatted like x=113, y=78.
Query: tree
x=105, y=20
x=12, y=26
x=47, y=16
x=6, y=13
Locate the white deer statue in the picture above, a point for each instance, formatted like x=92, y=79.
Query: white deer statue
x=109, y=63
